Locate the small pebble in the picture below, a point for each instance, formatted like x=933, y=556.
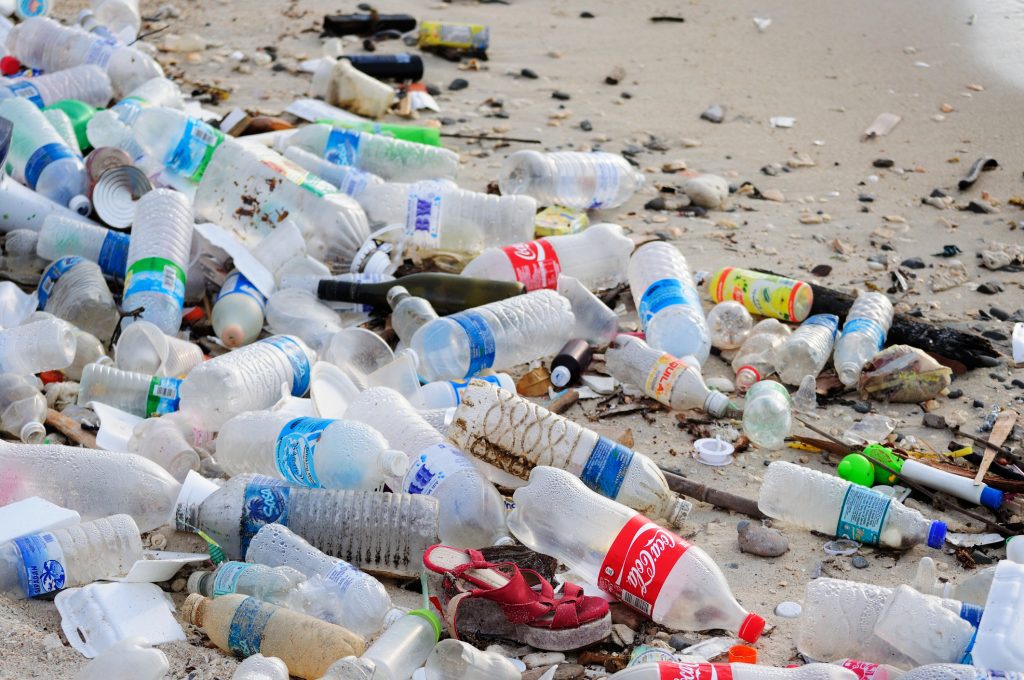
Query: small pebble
x=934, y=421
x=862, y=407
x=999, y=314
x=680, y=641
x=859, y=562
x=543, y=659
x=883, y=163
x=1017, y=382
x=707, y=191
x=433, y=90
x=913, y=263
x=626, y=95
x=978, y=403
x=990, y=288
x=714, y=114
x=529, y=73
x=866, y=198
x=586, y=15
x=560, y=96
x=586, y=125
x=458, y=84
x=178, y=585
x=788, y=610
x=623, y=635
x=757, y=539
x=955, y=394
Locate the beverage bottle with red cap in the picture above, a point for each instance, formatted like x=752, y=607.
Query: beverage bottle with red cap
x=671, y=670
x=645, y=566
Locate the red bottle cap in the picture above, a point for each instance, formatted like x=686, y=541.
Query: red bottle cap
x=751, y=628
x=47, y=377
x=9, y=65
x=193, y=315
x=742, y=654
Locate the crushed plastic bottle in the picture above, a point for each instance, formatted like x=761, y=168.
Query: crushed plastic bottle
x=296, y=312
x=144, y=348
x=238, y=311
x=768, y=415
x=596, y=322
x=937, y=636
x=22, y=408
x=121, y=17
x=864, y=332
x=973, y=590
x=73, y=289
x=807, y=350
x=592, y=180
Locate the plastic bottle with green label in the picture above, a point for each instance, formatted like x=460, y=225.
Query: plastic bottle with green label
x=397, y=653
x=136, y=393
x=419, y=134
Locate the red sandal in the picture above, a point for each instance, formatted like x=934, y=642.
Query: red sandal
x=498, y=599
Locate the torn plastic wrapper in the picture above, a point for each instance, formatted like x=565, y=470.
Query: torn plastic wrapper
x=903, y=374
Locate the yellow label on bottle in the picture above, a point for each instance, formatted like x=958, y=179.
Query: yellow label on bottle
x=762, y=294
x=459, y=36
x=663, y=376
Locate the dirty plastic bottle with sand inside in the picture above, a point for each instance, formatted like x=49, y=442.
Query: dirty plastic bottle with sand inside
x=490, y=424
x=864, y=332
x=662, y=376
x=497, y=335
x=19, y=261
x=807, y=350
x=73, y=289
x=592, y=180
x=597, y=258
x=729, y=324
x=245, y=626
x=113, y=126
x=238, y=311
x=41, y=159
x=275, y=585
x=42, y=563
x=768, y=415
x=831, y=505
x=334, y=590
x=627, y=555
x=667, y=301
x=396, y=654
x=471, y=511
x=61, y=236
x=144, y=348
x=22, y=408
x=755, y=359
x=683, y=670
x=259, y=667
x=86, y=83
x=408, y=313
x=46, y=345
x=136, y=393
x=457, y=659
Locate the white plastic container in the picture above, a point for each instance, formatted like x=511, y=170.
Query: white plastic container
x=113, y=126
x=73, y=289
x=22, y=408
x=47, y=345
x=1000, y=641
x=674, y=670
x=136, y=393
x=768, y=415
x=448, y=394
x=864, y=332
x=573, y=179
x=130, y=658
x=397, y=653
x=456, y=659
x=144, y=348
x=62, y=236
x=87, y=83
x=756, y=358
x=361, y=94
x=807, y=350
x=238, y=311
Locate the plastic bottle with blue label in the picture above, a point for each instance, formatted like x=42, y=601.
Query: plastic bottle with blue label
x=41, y=159
x=22, y=408
x=136, y=393
x=238, y=311
x=937, y=634
x=275, y=585
x=86, y=83
x=498, y=335
x=472, y=512
x=43, y=563
x=448, y=393
x=831, y=505
x=592, y=180
x=62, y=236
x=184, y=145
x=864, y=332
x=73, y=289
x=348, y=179
x=667, y=302
x=113, y=126
x=246, y=379
x=807, y=350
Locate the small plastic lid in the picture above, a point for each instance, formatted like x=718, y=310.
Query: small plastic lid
x=9, y=65
x=742, y=654
x=560, y=376
x=429, y=616
x=713, y=451
x=195, y=580
x=395, y=463
x=857, y=469
x=80, y=204
x=751, y=628
x=937, y=535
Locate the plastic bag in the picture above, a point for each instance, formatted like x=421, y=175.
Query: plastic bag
x=903, y=374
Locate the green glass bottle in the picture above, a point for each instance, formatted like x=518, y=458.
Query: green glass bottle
x=80, y=114
x=447, y=293
x=431, y=136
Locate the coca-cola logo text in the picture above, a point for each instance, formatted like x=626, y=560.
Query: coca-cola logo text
x=645, y=565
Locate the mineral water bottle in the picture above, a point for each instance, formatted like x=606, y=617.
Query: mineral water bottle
x=74, y=556
x=162, y=441
x=120, y=16
x=64, y=127
x=457, y=659
x=62, y=236
x=490, y=424
x=768, y=415
x=296, y=312
x=597, y=258
x=867, y=322
x=397, y=653
x=113, y=126
x=687, y=670
x=40, y=158
x=136, y=393
x=86, y=83
x=596, y=322
x=448, y=393
x=408, y=313
x=472, y=512
x=666, y=300
x=335, y=590
x=22, y=408
x=246, y=379
x=662, y=376
x=383, y=533
x=807, y=350
x=73, y=289
x=238, y=311
x=627, y=555
x=499, y=335
x=184, y=145
x=951, y=671
x=937, y=636
x=756, y=358
x=348, y=179
x=157, y=257
x=729, y=324
x=245, y=626
x=591, y=180
x=47, y=345
x=312, y=452
x=826, y=503
x=275, y=585
x=259, y=667
x=393, y=159
x=144, y=348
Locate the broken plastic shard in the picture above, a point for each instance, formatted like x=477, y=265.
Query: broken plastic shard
x=872, y=429
x=882, y=126
x=841, y=547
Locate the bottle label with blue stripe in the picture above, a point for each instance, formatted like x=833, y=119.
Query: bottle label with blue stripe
x=829, y=321
x=237, y=283
x=665, y=293
x=265, y=501
x=42, y=158
x=28, y=91
x=42, y=564
x=423, y=210
x=129, y=108
x=606, y=468
x=298, y=360
x=225, y=581
x=342, y=147
x=459, y=386
x=113, y=259
x=295, y=452
x=194, y=150
x=434, y=465
x=52, y=275
x=862, y=515
x=156, y=275
x=481, y=340
x=867, y=327
x=245, y=633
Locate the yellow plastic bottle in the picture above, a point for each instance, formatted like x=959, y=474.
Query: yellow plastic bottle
x=763, y=294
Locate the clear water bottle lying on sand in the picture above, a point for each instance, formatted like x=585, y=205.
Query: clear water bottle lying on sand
x=627, y=555
x=489, y=424
x=245, y=626
x=497, y=335
x=666, y=300
x=144, y=348
x=729, y=324
x=408, y=312
x=73, y=289
x=937, y=635
x=42, y=563
x=62, y=236
x=864, y=332
x=592, y=180
x=113, y=126
x=275, y=585
x=456, y=659
x=807, y=350
x=768, y=415
x=472, y=512
x=756, y=358
x=259, y=667
x=86, y=83
x=448, y=393
x=397, y=653
x=22, y=408
x=831, y=505
x=136, y=393
x=238, y=311
x=662, y=376
x=675, y=670
x=46, y=345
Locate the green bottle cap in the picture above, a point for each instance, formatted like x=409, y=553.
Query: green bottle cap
x=80, y=114
x=857, y=469
x=888, y=458
x=435, y=621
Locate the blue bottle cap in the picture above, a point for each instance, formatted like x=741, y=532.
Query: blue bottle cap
x=937, y=535
x=971, y=613
x=991, y=498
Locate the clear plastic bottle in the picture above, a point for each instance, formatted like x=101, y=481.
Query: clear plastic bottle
x=22, y=408
x=512, y=435
x=73, y=289
x=136, y=393
x=397, y=653
x=729, y=324
x=662, y=376
x=756, y=358
x=768, y=415
x=937, y=636
x=627, y=555
x=275, y=585
x=574, y=179
x=393, y=159
x=74, y=556
x=113, y=126
x=62, y=236
x=973, y=589
x=675, y=670
x=472, y=512
x=46, y=345
x=245, y=626
x=120, y=16
x=334, y=590
x=378, y=532
x=162, y=441
x=246, y=379
x=20, y=262
x=831, y=505
x=408, y=313
x=1000, y=641
x=133, y=658
x=238, y=311
x=144, y=348
x=596, y=322
x=451, y=659
x=499, y=335
x=158, y=256
x=807, y=350
x=64, y=127
x=41, y=159
x=349, y=180
x=951, y=671
x=667, y=301
x=295, y=312
x=184, y=145
x=864, y=332
x=87, y=83
x=597, y=258
x=445, y=394
x=258, y=667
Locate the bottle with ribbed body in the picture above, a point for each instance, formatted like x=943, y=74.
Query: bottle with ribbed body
x=87, y=83
x=45, y=345
x=755, y=359
x=136, y=393
x=73, y=289
x=807, y=350
x=864, y=332
x=22, y=408
x=113, y=126
x=62, y=236
x=593, y=180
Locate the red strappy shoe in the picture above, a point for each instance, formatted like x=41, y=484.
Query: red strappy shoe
x=489, y=598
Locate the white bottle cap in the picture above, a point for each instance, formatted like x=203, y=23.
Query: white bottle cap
x=560, y=376
x=713, y=451
x=80, y=204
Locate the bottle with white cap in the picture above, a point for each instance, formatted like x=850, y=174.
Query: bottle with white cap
x=144, y=348
x=22, y=408
x=570, y=362
x=62, y=236
x=238, y=311
x=444, y=394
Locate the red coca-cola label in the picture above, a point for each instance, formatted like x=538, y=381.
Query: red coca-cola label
x=669, y=670
x=639, y=561
x=535, y=264
x=863, y=669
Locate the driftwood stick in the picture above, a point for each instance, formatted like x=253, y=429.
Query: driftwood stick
x=706, y=494
x=70, y=429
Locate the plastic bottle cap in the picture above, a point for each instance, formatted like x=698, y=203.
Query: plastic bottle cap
x=435, y=621
x=395, y=463
x=937, y=535
x=193, y=315
x=716, y=403
x=742, y=654
x=713, y=451
x=232, y=335
x=190, y=609
x=751, y=628
x=560, y=376
x=991, y=498
x=9, y=65
x=857, y=469
x=195, y=580
x=80, y=204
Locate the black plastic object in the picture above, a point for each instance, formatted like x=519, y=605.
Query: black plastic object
x=399, y=67
x=447, y=293
x=367, y=24
x=6, y=130
x=573, y=358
